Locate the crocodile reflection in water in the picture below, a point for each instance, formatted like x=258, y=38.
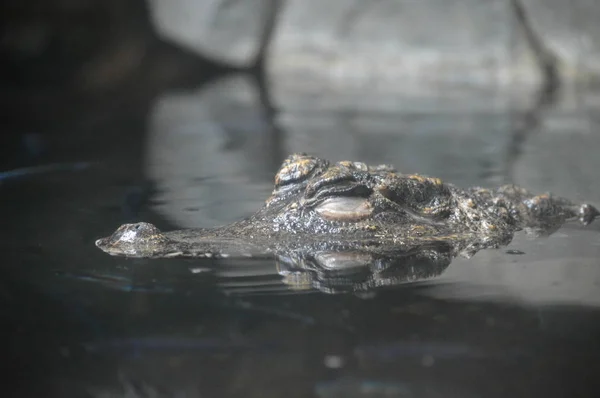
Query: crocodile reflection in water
x=342, y=269
x=331, y=268
x=349, y=207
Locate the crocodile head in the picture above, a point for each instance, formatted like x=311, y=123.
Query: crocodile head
x=316, y=197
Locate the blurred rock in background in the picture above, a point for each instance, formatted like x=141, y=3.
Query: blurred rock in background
x=420, y=46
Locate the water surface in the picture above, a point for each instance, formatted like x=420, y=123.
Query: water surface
x=520, y=321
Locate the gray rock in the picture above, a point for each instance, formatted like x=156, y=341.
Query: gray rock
x=385, y=45
x=399, y=42
x=347, y=42
x=228, y=31
x=571, y=31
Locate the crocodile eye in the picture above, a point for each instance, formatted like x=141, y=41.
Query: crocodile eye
x=344, y=209
x=295, y=168
x=343, y=260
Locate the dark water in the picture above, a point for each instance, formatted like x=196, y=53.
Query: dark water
x=522, y=321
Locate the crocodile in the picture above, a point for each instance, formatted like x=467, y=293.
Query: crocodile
x=359, y=213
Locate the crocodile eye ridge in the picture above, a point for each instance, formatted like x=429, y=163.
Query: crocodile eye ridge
x=295, y=168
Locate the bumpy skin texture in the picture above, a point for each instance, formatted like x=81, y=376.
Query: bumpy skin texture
x=325, y=206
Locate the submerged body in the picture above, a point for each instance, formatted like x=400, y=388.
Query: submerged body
x=319, y=205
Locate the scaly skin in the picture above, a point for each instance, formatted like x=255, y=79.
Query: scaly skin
x=320, y=205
